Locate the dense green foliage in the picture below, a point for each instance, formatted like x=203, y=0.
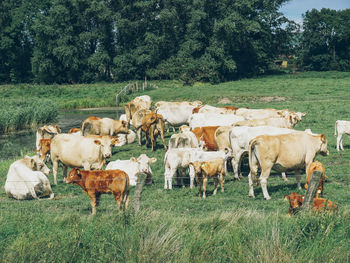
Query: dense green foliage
x=177, y=226
x=80, y=41
x=19, y=114
x=326, y=40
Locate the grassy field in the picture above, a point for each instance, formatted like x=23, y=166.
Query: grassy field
x=177, y=226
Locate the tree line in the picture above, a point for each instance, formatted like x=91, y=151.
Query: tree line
x=81, y=41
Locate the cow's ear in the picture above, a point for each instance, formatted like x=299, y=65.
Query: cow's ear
x=78, y=172
x=98, y=142
x=58, y=129
x=152, y=160
x=303, y=197
x=133, y=159
x=286, y=197
x=32, y=163
x=124, y=123
x=323, y=138
x=303, y=114
x=115, y=141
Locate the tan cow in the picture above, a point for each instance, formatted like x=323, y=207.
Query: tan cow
x=287, y=152
x=79, y=151
x=152, y=126
x=272, y=122
x=95, y=183
x=104, y=126
x=209, y=169
x=315, y=166
x=222, y=138
x=137, y=122
x=138, y=103
x=291, y=116
x=46, y=132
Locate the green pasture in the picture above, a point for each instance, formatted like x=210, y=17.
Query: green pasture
x=176, y=225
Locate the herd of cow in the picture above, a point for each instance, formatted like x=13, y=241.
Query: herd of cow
x=208, y=138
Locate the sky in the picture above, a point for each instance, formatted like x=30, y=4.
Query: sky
x=295, y=8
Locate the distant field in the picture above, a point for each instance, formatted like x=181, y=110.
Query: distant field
x=177, y=226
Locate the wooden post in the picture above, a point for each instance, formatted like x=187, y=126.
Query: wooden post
x=137, y=86
x=136, y=199
x=311, y=190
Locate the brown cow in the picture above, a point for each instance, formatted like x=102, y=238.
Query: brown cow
x=318, y=167
x=296, y=201
x=74, y=130
x=207, y=135
x=44, y=149
x=152, y=126
x=138, y=103
x=95, y=183
x=209, y=169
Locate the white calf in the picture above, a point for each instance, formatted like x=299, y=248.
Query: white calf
x=341, y=127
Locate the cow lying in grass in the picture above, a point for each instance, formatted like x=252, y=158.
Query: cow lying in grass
x=296, y=201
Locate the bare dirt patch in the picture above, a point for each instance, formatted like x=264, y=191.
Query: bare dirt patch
x=272, y=98
x=225, y=101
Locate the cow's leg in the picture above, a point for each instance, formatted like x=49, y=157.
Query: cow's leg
x=152, y=139
x=118, y=199
x=284, y=177
x=252, y=175
x=55, y=169
x=222, y=181
x=98, y=196
x=205, y=180
x=339, y=139
x=298, y=178
x=216, y=185
x=163, y=139
x=200, y=184
x=126, y=200
x=341, y=143
x=235, y=165
x=92, y=202
x=139, y=135
x=263, y=181
x=64, y=171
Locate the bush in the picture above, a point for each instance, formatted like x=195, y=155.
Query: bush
x=20, y=114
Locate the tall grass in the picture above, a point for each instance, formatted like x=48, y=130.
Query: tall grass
x=19, y=114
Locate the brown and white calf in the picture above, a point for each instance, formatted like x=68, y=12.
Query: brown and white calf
x=296, y=201
x=95, y=183
x=209, y=169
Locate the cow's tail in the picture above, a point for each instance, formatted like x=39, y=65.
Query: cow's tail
x=335, y=128
x=252, y=154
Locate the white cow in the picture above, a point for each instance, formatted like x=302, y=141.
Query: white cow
x=79, y=151
x=123, y=139
x=213, y=119
x=134, y=167
x=241, y=136
x=180, y=158
x=341, y=127
x=27, y=179
x=250, y=114
x=218, y=110
x=185, y=139
x=176, y=113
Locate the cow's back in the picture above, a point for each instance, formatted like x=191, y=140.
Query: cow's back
x=74, y=150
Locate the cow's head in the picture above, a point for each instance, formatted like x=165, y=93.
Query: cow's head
x=295, y=201
x=323, y=149
x=121, y=127
x=143, y=162
x=44, y=148
x=105, y=145
x=36, y=164
x=74, y=176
